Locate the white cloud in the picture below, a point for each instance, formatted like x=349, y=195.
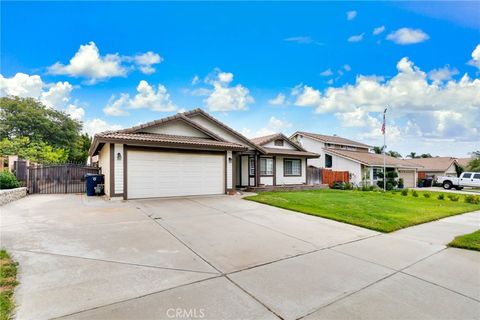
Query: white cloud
x=224, y=97
x=53, y=95
x=475, y=57
x=57, y=96
x=22, y=85
x=356, y=38
x=351, y=15
x=378, y=30
x=442, y=74
x=303, y=40
x=97, y=125
x=88, y=63
x=145, y=61
x=147, y=97
x=347, y=67
x=274, y=125
x=195, y=80
x=411, y=95
x=406, y=36
x=278, y=100
x=326, y=73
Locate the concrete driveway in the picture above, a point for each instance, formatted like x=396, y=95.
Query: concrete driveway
x=226, y=258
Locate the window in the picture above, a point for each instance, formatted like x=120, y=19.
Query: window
x=328, y=161
x=251, y=168
x=467, y=175
x=476, y=176
x=376, y=171
x=292, y=167
x=266, y=166
x=279, y=143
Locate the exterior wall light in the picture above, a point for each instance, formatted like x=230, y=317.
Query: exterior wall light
x=119, y=156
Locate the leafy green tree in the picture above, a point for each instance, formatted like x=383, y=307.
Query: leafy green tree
x=43, y=126
x=38, y=152
x=426, y=155
x=412, y=155
x=394, y=154
x=377, y=150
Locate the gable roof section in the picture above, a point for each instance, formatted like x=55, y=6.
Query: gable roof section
x=240, y=136
x=463, y=162
x=261, y=141
x=331, y=139
x=164, y=121
x=164, y=140
x=439, y=164
x=371, y=159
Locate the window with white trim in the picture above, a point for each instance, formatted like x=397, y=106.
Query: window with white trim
x=292, y=167
x=251, y=168
x=266, y=166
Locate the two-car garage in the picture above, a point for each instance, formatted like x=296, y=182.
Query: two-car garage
x=174, y=173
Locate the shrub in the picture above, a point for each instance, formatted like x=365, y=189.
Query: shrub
x=415, y=193
x=338, y=185
x=472, y=199
x=400, y=183
x=426, y=195
x=441, y=196
x=371, y=188
x=8, y=180
x=348, y=186
x=453, y=197
x=404, y=192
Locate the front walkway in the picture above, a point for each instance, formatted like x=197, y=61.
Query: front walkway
x=227, y=258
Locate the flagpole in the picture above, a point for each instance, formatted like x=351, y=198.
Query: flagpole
x=384, y=151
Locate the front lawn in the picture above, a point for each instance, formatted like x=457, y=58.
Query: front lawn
x=469, y=241
x=8, y=281
x=385, y=212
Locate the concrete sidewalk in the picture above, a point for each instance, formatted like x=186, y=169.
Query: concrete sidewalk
x=226, y=258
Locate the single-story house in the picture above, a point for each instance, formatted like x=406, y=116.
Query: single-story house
x=192, y=153
x=364, y=167
x=435, y=167
x=317, y=143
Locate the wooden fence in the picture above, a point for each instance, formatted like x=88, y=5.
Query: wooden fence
x=329, y=176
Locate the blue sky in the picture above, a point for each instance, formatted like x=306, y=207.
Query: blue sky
x=259, y=67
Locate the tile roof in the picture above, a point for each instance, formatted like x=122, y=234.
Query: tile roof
x=463, y=162
x=332, y=139
x=433, y=164
x=166, y=139
x=265, y=139
x=372, y=159
x=290, y=152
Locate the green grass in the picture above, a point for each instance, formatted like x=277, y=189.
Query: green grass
x=469, y=241
x=8, y=281
x=385, y=212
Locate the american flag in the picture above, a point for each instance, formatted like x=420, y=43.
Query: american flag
x=383, y=124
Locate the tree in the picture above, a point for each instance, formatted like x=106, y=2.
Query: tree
x=474, y=164
x=38, y=152
x=412, y=155
x=377, y=150
x=394, y=154
x=29, y=118
x=426, y=155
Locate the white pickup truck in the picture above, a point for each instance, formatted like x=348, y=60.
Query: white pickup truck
x=466, y=179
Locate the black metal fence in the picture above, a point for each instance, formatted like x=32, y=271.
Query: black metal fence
x=67, y=178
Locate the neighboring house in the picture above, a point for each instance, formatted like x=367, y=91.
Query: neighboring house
x=435, y=167
x=192, y=153
x=283, y=163
x=365, y=166
x=463, y=162
x=318, y=143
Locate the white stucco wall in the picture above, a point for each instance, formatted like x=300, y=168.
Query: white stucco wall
x=104, y=164
x=314, y=146
x=178, y=128
x=118, y=168
x=289, y=180
x=229, y=170
x=268, y=181
x=451, y=171
x=354, y=168
x=286, y=145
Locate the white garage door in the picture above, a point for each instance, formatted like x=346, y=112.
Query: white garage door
x=169, y=174
x=408, y=177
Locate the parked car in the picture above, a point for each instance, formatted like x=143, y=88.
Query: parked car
x=466, y=179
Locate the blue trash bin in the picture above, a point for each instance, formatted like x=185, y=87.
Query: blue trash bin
x=91, y=181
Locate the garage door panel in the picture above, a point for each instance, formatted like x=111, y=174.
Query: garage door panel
x=408, y=177
x=167, y=174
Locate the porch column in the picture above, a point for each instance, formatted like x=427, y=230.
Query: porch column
x=257, y=169
x=274, y=170
x=371, y=175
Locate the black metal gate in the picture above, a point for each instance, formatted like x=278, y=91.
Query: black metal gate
x=69, y=178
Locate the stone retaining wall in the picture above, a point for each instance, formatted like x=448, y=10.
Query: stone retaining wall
x=10, y=195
